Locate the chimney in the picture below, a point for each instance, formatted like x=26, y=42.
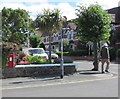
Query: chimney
x=119, y=4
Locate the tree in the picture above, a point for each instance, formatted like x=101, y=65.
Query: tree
x=35, y=40
x=47, y=22
x=42, y=45
x=15, y=23
x=93, y=24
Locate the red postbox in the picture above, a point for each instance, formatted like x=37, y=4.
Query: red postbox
x=11, y=60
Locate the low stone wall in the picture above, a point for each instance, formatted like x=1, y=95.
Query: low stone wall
x=36, y=71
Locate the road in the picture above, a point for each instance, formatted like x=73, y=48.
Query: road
x=84, y=83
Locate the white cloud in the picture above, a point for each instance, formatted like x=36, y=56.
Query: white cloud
x=20, y=1
x=13, y=6
x=67, y=10
x=36, y=6
x=106, y=4
x=36, y=9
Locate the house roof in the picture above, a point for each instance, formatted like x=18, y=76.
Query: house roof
x=69, y=24
x=115, y=11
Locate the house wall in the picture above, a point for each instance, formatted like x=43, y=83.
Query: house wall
x=56, y=39
x=116, y=26
x=56, y=43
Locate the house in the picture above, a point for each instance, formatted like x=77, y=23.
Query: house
x=56, y=38
x=115, y=13
x=71, y=35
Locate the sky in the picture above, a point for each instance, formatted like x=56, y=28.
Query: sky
x=67, y=7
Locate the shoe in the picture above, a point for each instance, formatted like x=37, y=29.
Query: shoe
x=107, y=71
x=94, y=69
x=103, y=72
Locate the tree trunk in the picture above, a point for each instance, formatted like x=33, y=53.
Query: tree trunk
x=95, y=55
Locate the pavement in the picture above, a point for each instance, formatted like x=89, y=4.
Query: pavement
x=83, y=74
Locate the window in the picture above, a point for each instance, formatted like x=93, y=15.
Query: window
x=72, y=46
x=70, y=35
x=47, y=39
x=43, y=39
x=55, y=37
x=36, y=51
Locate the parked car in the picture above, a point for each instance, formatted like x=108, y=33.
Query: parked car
x=35, y=52
x=53, y=55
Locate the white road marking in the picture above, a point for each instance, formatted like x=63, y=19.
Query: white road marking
x=60, y=83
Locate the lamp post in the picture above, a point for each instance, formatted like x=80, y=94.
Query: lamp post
x=62, y=61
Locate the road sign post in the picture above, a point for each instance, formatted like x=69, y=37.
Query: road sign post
x=62, y=60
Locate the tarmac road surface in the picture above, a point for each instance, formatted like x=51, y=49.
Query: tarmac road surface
x=84, y=83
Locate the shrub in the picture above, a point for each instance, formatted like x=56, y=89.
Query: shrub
x=64, y=53
x=74, y=53
x=118, y=53
x=66, y=60
x=79, y=53
x=8, y=47
x=5, y=54
x=37, y=60
x=21, y=55
x=28, y=58
x=112, y=54
x=58, y=53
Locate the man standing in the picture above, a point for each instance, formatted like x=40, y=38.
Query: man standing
x=105, y=57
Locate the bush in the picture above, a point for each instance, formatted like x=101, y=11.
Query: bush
x=37, y=60
x=8, y=47
x=21, y=55
x=64, y=53
x=79, y=53
x=74, y=53
x=5, y=54
x=66, y=60
x=58, y=53
x=113, y=54
x=118, y=53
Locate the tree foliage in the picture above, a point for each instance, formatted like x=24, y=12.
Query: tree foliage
x=93, y=23
x=47, y=22
x=35, y=40
x=15, y=23
x=66, y=43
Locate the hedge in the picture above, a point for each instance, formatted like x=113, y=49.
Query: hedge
x=78, y=53
x=74, y=53
x=118, y=53
x=114, y=53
